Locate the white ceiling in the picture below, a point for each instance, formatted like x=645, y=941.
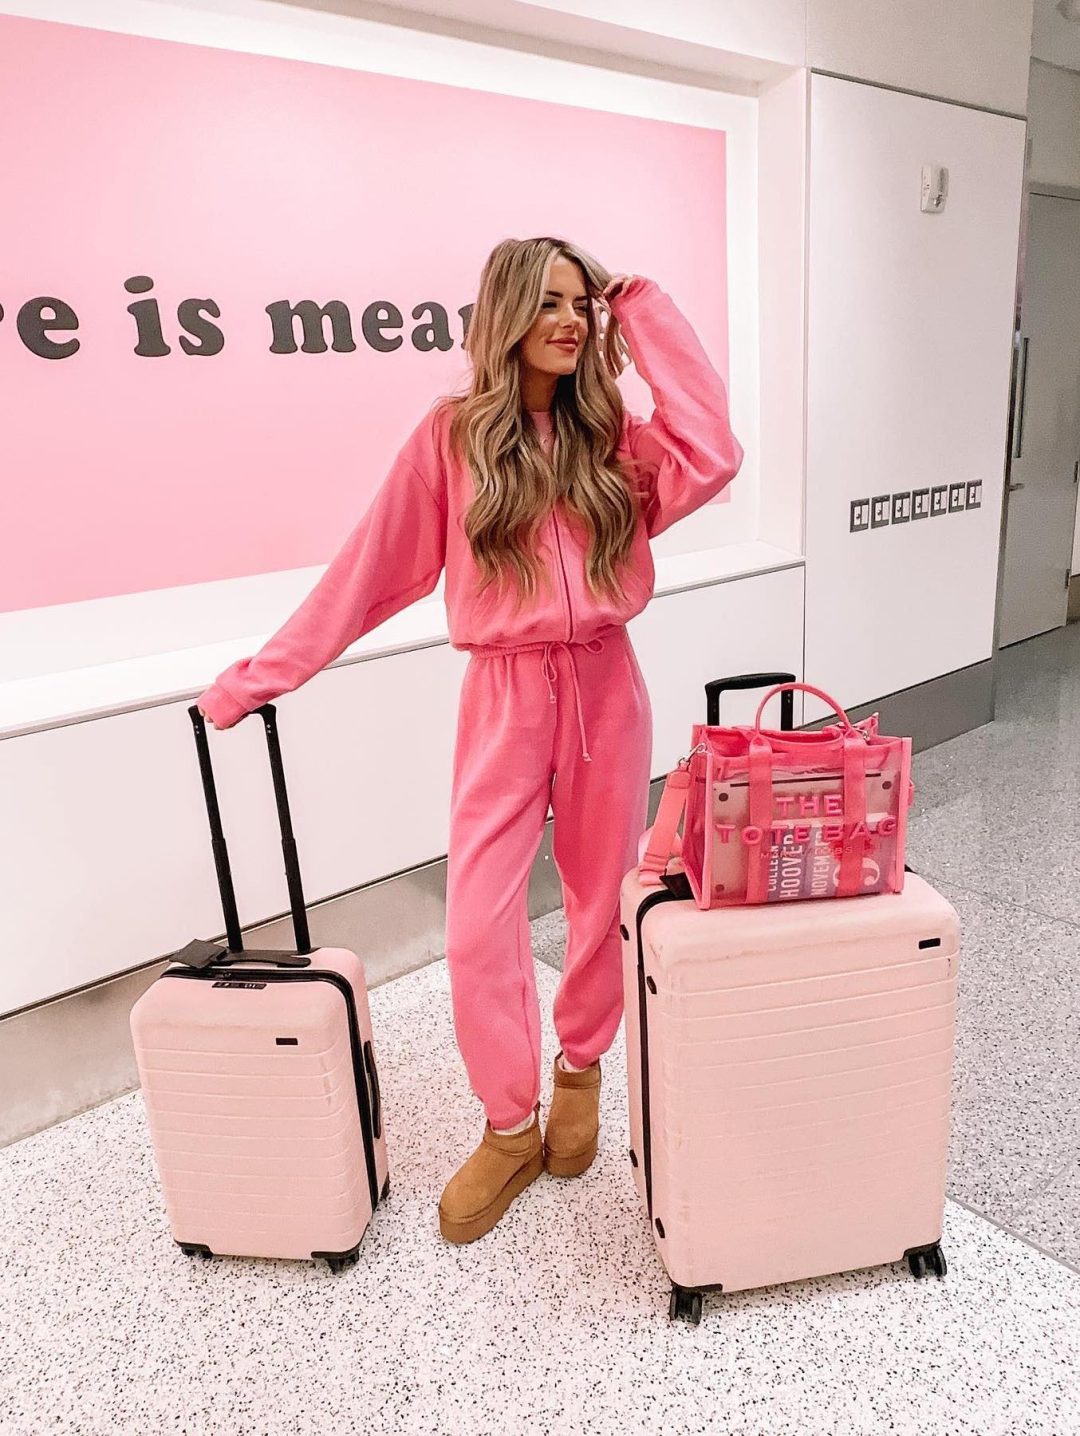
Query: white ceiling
x=731, y=44
x=685, y=42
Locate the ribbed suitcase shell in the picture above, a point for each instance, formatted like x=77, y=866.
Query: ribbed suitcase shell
x=789, y=1080
x=264, y=1147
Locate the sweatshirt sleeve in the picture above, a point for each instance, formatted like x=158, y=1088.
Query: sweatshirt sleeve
x=686, y=450
x=393, y=556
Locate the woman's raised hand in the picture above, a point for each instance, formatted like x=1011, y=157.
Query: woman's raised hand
x=617, y=285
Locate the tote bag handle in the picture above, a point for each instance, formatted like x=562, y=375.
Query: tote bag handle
x=816, y=693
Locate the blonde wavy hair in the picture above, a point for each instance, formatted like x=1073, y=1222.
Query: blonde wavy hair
x=517, y=485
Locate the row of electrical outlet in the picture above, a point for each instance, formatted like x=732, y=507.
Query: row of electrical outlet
x=901, y=508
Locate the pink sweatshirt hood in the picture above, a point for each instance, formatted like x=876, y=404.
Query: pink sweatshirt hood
x=414, y=528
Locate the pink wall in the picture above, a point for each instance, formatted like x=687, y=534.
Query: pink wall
x=244, y=180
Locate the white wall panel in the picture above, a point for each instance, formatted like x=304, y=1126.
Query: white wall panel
x=910, y=321
x=108, y=863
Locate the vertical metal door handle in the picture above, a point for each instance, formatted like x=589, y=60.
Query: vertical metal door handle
x=1021, y=397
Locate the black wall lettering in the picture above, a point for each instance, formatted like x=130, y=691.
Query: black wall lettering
x=32, y=323
x=147, y=319
x=282, y=315
x=190, y=315
x=436, y=334
x=378, y=317
x=381, y=322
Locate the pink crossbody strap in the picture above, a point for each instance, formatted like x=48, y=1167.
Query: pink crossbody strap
x=761, y=814
x=849, y=880
x=665, y=829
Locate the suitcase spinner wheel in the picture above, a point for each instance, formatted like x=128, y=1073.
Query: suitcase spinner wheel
x=921, y=1260
x=685, y=1303
x=338, y=1261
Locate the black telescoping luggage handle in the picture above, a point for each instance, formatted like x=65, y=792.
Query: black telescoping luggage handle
x=200, y=954
x=714, y=689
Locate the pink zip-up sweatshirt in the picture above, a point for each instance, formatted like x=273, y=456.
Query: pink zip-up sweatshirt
x=413, y=528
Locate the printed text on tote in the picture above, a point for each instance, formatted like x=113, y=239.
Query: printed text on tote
x=792, y=808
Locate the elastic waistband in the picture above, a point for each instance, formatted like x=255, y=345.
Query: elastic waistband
x=498, y=650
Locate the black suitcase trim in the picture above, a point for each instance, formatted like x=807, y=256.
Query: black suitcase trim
x=653, y=900
x=363, y=1096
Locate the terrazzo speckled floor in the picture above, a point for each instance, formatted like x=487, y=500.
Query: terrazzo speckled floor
x=555, y=1323
x=996, y=825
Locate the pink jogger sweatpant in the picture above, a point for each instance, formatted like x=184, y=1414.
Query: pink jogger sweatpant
x=527, y=719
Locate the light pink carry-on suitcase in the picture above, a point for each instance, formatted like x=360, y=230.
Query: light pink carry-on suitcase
x=789, y=1083
x=259, y=1077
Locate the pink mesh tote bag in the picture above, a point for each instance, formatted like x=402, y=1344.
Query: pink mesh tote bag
x=776, y=816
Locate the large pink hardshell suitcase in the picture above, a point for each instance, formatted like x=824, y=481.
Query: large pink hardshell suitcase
x=259, y=1077
x=789, y=1083
x=790, y=1073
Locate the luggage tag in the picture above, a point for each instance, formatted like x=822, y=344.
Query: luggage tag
x=200, y=953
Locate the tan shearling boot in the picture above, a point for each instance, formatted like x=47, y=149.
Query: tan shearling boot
x=573, y=1123
x=498, y=1171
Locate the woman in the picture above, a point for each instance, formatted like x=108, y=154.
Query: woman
x=538, y=493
